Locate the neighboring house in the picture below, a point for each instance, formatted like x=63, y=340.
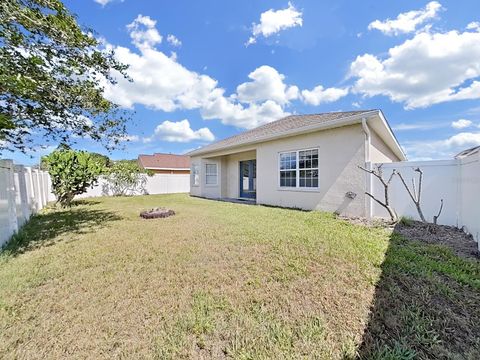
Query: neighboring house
x=165, y=163
x=300, y=161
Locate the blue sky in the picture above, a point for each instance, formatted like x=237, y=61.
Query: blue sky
x=205, y=70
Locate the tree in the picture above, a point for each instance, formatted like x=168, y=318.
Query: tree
x=72, y=173
x=102, y=159
x=51, y=77
x=415, y=194
x=125, y=177
x=378, y=173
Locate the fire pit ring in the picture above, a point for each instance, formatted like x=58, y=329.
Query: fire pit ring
x=157, y=213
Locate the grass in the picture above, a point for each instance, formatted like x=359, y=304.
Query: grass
x=221, y=280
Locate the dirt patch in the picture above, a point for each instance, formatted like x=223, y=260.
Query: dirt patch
x=377, y=222
x=456, y=239
x=450, y=236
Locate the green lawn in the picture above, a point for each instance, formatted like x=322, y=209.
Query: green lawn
x=221, y=280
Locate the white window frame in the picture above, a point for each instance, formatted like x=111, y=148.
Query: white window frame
x=297, y=171
x=211, y=174
x=195, y=174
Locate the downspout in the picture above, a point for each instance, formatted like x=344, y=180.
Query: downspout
x=368, y=136
x=368, y=166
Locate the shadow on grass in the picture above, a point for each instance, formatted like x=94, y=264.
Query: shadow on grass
x=426, y=305
x=46, y=229
x=88, y=202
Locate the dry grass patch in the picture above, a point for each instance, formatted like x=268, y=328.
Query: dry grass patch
x=217, y=280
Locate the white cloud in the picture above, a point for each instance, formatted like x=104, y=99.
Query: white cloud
x=357, y=104
x=131, y=138
x=418, y=126
x=425, y=70
x=267, y=84
x=238, y=115
x=461, y=124
x=160, y=82
x=103, y=2
x=173, y=40
x=319, y=95
x=274, y=21
x=475, y=25
x=143, y=32
x=180, y=131
x=407, y=22
x=442, y=149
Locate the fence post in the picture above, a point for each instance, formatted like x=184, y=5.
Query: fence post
x=41, y=183
x=22, y=197
x=37, y=192
x=11, y=203
x=30, y=189
x=45, y=186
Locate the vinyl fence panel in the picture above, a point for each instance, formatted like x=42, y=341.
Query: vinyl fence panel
x=23, y=191
x=156, y=184
x=455, y=181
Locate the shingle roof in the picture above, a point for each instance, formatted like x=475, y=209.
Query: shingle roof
x=275, y=128
x=164, y=161
x=468, y=152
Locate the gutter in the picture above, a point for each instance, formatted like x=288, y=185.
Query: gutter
x=368, y=166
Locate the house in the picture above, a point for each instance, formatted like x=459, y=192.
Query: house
x=467, y=153
x=301, y=161
x=165, y=163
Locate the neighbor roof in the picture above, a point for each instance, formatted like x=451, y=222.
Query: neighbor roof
x=468, y=152
x=164, y=161
x=275, y=128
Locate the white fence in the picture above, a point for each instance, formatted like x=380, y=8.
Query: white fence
x=457, y=182
x=155, y=184
x=23, y=192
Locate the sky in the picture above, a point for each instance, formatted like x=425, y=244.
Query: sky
x=206, y=70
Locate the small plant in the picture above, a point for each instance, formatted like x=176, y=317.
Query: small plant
x=125, y=177
x=406, y=221
x=378, y=173
x=72, y=173
x=415, y=194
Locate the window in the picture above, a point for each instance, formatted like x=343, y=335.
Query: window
x=288, y=169
x=211, y=174
x=195, y=174
x=299, y=169
x=308, y=165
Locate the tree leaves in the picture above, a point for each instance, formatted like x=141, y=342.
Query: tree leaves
x=51, y=75
x=72, y=172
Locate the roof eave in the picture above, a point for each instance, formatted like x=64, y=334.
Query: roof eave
x=397, y=149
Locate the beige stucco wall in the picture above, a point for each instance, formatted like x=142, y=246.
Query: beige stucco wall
x=232, y=169
x=228, y=171
x=210, y=191
x=379, y=151
x=341, y=150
